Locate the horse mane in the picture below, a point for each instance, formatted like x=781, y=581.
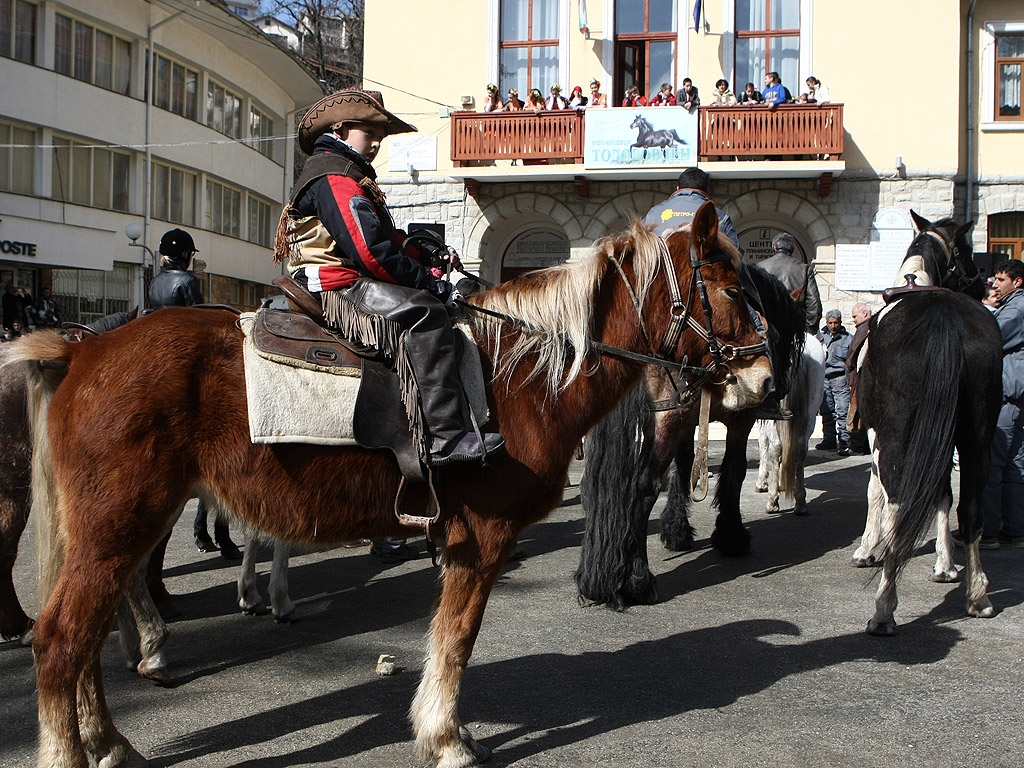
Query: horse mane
x=555, y=307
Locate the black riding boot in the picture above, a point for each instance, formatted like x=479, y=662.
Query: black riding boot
x=428, y=345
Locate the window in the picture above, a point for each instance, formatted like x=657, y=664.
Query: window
x=223, y=209
x=18, y=30
x=174, y=194
x=223, y=110
x=259, y=222
x=1009, y=62
x=1006, y=234
x=529, y=46
x=17, y=159
x=645, y=46
x=176, y=88
x=86, y=295
x=261, y=130
x=91, y=55
x=767, y=40
x=87, y=175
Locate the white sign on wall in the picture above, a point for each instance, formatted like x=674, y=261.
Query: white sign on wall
x=873, y=267
x=420, y=152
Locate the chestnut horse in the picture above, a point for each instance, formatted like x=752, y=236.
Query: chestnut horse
x=155, y=411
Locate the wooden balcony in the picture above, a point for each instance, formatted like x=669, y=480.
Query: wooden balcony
x=528, y=136
x=791, y=131
x=787, y=130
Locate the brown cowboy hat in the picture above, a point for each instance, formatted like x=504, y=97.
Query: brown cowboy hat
x=348, y=106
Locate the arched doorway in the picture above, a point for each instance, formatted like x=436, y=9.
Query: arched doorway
x=756, y=242
x=534, y=248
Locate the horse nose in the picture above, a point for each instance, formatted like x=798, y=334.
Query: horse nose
x=767, y=386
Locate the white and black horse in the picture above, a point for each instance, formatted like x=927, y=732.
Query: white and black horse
x=929, y=380
x=627, y=456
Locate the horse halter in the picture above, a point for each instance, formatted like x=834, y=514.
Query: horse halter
x=679, y=318
x=956, y=264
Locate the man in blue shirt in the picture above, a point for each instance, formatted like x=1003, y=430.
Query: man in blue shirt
x=775, y=92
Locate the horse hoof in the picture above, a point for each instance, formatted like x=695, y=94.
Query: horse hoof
x=881, y=628
x=981, y=610
x=945, y=577
x=761, y=488
x=773, y=509
x=288, y=619
x=801, y=510
x=260, y=609
x=862, y=562
x=158, y=675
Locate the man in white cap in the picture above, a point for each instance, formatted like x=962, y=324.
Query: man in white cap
x=375, y=286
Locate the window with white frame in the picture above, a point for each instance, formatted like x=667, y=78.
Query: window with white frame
x=86, y=53
x=259, y=231
x=1009, y=63
x=223, y=209
x=18, y=20
x=176, y=88
x=174, y=194
x=223, y=110
x=261, y=131
x=17, y=159
x=529, y=46
x=767, y=40
x=90, y=175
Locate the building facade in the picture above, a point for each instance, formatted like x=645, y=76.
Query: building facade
x=929, y=122
x=94, y=142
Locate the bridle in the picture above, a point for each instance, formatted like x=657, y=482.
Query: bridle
x=680, y=319
x=956, y=263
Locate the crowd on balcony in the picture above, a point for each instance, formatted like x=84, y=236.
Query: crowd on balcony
x=687, y=96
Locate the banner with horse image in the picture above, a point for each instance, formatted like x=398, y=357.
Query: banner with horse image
x=650, y=136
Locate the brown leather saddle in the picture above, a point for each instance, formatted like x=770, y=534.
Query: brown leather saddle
x=303, y=338
x=892, y=294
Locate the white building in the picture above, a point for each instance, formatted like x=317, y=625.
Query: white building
x=92, y=141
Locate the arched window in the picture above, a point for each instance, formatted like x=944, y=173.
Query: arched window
x=534, y=249
x=645, y=47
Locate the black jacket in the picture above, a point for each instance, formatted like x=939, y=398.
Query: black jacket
x=175, y=288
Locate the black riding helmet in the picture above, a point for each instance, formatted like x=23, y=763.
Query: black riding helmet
x=177, y=246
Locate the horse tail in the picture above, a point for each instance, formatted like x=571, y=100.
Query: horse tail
x=50, y=348
x=919, y=480
x=615, y=492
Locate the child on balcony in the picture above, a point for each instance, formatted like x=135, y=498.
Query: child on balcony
x=536, y=101
x=514, y=104
x=723, y=96
x=492, y=101
x=576, y=99
x=597, y=99
x=633, y=98
x=663, y=98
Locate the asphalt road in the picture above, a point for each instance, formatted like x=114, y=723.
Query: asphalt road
x=759, y=661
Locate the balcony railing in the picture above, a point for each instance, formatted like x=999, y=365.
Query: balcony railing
x=789, y=131
x=528, y=136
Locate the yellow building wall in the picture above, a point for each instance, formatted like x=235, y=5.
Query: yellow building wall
x=999, y=152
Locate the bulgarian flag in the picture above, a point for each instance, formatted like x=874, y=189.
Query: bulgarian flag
x=584, y=29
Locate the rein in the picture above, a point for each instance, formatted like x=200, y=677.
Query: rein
x=954, y=263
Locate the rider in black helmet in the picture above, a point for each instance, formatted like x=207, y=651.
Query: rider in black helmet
x=175, y=286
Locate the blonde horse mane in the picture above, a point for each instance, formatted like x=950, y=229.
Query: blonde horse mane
x=556, y=307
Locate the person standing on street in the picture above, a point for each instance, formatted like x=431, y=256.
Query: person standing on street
x=836, y=340
x=794, y=274
x=177, y=286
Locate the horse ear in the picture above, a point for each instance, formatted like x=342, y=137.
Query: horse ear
x=797, y=292
x=920, y=222
x=963, y=230
x=704, y=229
x=134, y=313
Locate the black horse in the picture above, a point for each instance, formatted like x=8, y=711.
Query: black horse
x=648, y=138
x=627, y=456
x=930, y=379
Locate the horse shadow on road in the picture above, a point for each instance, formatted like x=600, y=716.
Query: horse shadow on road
x=582, y=696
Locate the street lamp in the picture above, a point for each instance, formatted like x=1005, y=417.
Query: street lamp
x=133, y=232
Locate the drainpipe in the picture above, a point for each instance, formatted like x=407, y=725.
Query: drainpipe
x=969, y=203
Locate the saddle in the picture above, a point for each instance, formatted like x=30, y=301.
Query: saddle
x=893, y=294
x=303, y=340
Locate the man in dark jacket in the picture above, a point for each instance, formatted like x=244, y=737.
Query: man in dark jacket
x=692, y=191
x=342, y=245
x=794, y=274
x=175, y=286
x=836, y=403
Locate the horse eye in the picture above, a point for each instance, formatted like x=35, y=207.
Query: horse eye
x=733, y=293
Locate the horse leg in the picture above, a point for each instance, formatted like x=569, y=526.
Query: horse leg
x=472, y=561
x=677, y=535
x=865, y=554
x=882, y=623
x=763, y=452
x=970, y=515
x=944, y=571
x=774, y=460
x=281, y=604
x=152, y=630
x=99, y=736
x=730, y=537
x=249, y=598
x=14, y=507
